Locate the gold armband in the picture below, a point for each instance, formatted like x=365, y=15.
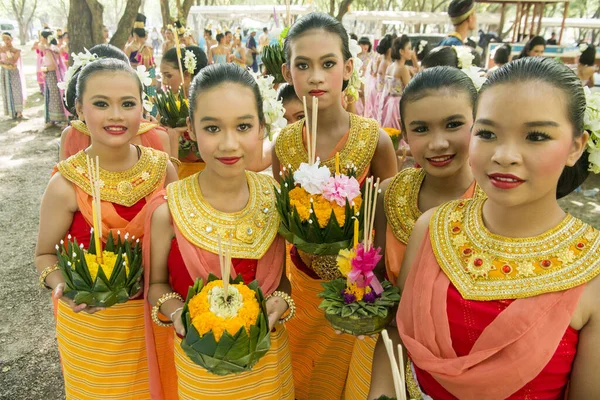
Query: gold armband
x=163, y=299
x=291, y=304
x=47, y=271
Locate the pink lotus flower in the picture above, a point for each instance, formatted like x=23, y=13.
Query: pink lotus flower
x=340, y=188
x=362, y=268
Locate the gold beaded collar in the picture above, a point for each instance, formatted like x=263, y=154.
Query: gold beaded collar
x=358, y=150
x=82, y=127
x=125, y=188
x=401, y=201
x=253, y=229
x=485, y=266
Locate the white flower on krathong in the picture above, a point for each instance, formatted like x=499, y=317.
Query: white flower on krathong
x=225, y=308
x=566, y=256
x=525, y=269
x=459, y=240
x=143, y=75
x=189, y=62
x=312, y=178
x=145, y=176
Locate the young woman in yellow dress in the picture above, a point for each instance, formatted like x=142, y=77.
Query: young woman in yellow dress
x=319, y=64
x=227, y=201
x=102, y=351
x=500, y=294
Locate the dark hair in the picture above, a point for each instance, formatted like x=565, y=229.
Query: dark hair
x=399, y=44
x=104, y=65
x=141, y=32
x=48, y=33
x=208, y=31
x=7, y=34
x=559, y=76
x=170, y=56
x=384, y=44
x=103, y=51
x=433, y=79
x=534, y=41
x=365, y=41
x=502, y=54
x=317, y=20
x=220, y=36
x=227, y=33
x=441, y=56
x=588, y=56
x=353, y=36
x=286, y=92
x=265, y=29
x=217, y=74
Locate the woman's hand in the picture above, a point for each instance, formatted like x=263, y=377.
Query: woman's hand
x=151, y=118
x=178, y=323
x=58, y=295
x=276, y=306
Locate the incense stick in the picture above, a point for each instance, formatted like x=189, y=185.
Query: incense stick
x=402, y=375
x=395, y=372
x=94, y=176
x=372, y=215
x=315, y=114
x=308, y=141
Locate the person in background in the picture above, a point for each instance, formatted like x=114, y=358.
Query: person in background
x=238, y=52
x=105, y=33
x=155, y=37
x=501, y=56
x=218, y=54
x=12, y=80
x=169, y=42
x=294, y=110
x=463, y=17
x=552, y=40
x=229, y=40
x=251, y=46
x=587, y=64
x=210, y=42
x=534, y=48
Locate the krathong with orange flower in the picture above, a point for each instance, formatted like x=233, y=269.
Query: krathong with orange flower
x=358, y=303
x=226, y=324
x=317, y=208
x=96, y=276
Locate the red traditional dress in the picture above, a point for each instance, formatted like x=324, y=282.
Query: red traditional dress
x=320, y=357
x=103, y=355
x=485, y=316
x=258, y=253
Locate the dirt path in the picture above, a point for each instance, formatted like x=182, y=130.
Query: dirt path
x=29, y=364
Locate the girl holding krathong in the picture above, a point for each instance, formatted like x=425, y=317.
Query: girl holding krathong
x=224, y=202
x=505, y=289
x=102, y=349
x=321, y=357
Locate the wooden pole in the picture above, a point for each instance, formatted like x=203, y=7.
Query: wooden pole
x=562, y=25
x=539, y=28
x=502, y=20
x=526, y=18
x=535, y=10
x=517, y=24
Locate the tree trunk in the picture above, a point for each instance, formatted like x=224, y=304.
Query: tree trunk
x=185, y=9
x=125, y=24
x=343, y=9
x=165, y=12
x=81, y=24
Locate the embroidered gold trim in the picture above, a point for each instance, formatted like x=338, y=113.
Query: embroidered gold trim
x=82, y=127
x=484, y=266
x=358, y=150
x=401, y=202
x=253, y=229
x=125, y=188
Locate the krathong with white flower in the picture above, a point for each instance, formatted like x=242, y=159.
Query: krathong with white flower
x=465, y=63
x=358, y=303
x=272, y=107
x=225, y=320
x=317, y=208
x=97, y=276
x=591, y=123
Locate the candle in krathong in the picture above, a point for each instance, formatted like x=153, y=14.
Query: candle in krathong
x=337, y=163
x=355, y=232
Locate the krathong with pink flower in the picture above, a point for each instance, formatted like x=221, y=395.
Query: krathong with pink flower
x=359, y=303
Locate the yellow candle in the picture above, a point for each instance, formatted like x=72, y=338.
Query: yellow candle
x=337, y=163
x=355, y=232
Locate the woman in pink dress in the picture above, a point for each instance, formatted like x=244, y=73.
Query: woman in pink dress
x=397, y=77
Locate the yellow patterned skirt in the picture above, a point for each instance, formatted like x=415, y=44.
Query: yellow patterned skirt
x=103, y=355
x=270, y=379
x=320, y=357
x=359, y=374
x=189, y=168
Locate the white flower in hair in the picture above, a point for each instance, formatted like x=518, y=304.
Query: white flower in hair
x=422, y=45
x=189, y=62
x=143, y=75
x=272, y=107
x=80, y=60
x=583, y=47
x=464, y=55
x=148, y=106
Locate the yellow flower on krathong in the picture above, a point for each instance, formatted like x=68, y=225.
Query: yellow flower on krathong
x=392, y=132
x=300, y=199
x=344, y=261
x=109, y=260
x=358, y=292
x=202, y=310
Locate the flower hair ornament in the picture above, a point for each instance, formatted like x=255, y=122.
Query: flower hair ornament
x=583, y=47
x=144, y=77
x=355, y=82
x=80, y=60
x=465, y=63
x=591, y=123
x=189, y=62
x=272, y=107
x=422, y=44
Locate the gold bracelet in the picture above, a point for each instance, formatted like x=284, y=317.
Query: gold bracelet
x=175, y=161
x=47, y=271
x=288, y=299
x=163, y=299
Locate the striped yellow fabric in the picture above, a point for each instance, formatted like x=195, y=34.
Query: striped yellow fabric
x=359, y=375
x=104, y=354
x=320, y=357
x=270, y=379
x=163, y=341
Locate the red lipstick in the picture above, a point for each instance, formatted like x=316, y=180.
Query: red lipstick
x=229, y=160
x=116, y=130
x=441, y=161
x=317, y=93
x=505, y=181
